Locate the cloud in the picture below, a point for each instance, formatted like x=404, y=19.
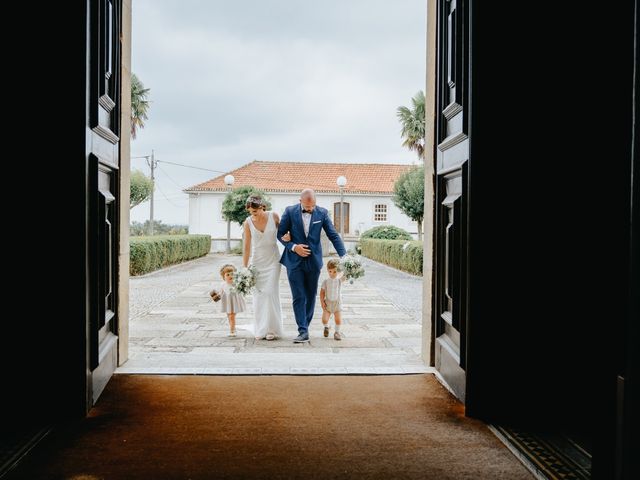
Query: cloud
x=291, y=80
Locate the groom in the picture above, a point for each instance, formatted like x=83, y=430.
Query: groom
x=303, y=255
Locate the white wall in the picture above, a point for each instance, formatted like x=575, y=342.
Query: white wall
x=205, y=212
x=205, y=215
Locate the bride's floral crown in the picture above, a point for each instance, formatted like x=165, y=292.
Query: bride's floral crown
x=255, y=201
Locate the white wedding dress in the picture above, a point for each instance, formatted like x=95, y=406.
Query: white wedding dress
x=265, y=256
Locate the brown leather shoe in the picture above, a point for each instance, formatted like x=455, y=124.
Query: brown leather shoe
x=326, y=331
x=337, y=336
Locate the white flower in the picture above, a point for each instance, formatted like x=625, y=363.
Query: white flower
x=352, y=267
x=244, y=280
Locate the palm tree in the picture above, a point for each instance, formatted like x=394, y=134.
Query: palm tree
x=413, y=122
x=139, y=104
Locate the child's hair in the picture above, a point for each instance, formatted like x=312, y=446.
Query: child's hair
x=226, y=268
x=332, y=264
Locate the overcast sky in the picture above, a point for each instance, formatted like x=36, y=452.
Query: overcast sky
x=283, y=80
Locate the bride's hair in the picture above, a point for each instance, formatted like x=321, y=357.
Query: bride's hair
x=255, y=201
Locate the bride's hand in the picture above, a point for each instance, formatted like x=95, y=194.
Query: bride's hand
x=286, y=237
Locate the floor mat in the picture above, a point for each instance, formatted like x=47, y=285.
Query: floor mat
x=273, y=427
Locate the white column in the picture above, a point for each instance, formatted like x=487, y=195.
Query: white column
x=429, y=172
x=125, y=167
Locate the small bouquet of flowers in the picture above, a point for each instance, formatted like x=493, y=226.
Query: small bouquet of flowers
x=244, y=280
x=352, y=267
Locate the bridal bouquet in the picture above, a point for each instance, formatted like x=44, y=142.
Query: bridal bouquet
x=352, y=267
x=244, y=280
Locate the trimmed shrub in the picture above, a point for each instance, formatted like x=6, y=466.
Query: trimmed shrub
x=147, y=254
x=403, y=255
x=387, y=232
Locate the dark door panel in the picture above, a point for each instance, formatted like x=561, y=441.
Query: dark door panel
x=103, y=159
x=452, y=155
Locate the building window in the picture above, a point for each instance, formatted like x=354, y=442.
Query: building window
x=380, y=212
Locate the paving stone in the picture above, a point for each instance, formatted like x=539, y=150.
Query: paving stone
x=275, y=371
x=405, y=342
x=174, y=327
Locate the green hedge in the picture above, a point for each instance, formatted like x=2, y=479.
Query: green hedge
x=147, y=254
x=387, y=232
x=400, y=254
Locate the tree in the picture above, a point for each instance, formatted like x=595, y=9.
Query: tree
x=408, y=195
x=139, y=104
x=413, y=124
x=233, y=207
x=141, y=187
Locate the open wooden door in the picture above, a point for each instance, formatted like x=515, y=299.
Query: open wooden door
x=452, y=138
x=102, y=207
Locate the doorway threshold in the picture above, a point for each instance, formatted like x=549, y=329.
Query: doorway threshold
x=15, y=446
x=278, y=357
x=547, y=456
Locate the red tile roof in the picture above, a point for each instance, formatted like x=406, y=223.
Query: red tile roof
x=295, y=176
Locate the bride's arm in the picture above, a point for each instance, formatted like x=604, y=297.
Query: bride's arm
x=286, y=237
x=246, y=244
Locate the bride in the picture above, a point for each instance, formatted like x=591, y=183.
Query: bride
x=261, y=250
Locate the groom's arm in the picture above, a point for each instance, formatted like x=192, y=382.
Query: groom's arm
x=285, y=226
x=333, y=235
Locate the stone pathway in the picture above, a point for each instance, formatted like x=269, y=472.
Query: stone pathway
x=176, y=328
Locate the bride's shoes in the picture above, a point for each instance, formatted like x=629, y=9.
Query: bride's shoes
x=270, y=336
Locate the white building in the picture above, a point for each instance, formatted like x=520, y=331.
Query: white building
x=367, y=196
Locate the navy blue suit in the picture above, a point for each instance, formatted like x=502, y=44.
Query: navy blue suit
x=303, y=272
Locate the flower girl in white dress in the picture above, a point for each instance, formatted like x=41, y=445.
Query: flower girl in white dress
x=231, y=302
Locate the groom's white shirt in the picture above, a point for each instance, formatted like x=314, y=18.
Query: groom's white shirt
x=306, y=221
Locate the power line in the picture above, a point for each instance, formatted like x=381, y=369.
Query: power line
x=169, y=177
x=167, y=198
x=191, y=166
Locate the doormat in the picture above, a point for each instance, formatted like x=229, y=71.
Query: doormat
x=244, y=427
x=555, y=457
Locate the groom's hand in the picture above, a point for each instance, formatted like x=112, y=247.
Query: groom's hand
x=302, y=250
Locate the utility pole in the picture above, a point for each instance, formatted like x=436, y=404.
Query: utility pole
x=152, y=164
x=151, y=161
